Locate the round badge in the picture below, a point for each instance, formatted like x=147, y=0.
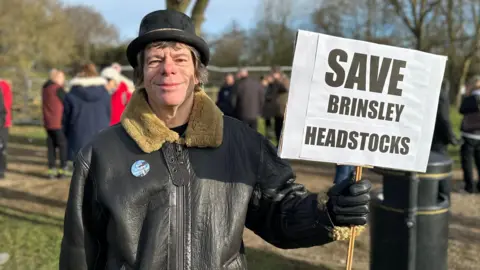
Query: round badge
x=140, y=168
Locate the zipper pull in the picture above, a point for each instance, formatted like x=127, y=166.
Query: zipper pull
x=179, y=153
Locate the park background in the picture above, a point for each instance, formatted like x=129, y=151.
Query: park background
x=36, y=36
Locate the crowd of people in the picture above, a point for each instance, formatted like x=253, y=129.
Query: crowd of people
x=71, y=119
x=247, y=99
x=96, y=100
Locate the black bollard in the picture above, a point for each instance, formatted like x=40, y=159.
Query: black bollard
x=409, y=218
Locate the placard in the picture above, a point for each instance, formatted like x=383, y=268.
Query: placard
x=361, y=103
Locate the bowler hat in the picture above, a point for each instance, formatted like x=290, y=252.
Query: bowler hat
x=167, y=25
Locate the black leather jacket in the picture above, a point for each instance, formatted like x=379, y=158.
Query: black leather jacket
x=190, y=209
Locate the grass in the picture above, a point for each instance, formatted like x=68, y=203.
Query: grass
x=33, y=242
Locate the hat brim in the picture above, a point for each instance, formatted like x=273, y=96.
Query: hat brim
x=142, y=41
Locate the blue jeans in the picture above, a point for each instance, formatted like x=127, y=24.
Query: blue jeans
x=342, y=173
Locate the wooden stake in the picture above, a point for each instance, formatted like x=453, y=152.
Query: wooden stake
x=351, y=244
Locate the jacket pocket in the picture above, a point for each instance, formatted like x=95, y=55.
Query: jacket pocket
x=237, y=262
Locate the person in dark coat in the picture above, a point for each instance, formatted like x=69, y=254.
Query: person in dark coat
x=224, y=98
x=443, y=134
x=270, y=106
x=248, y=97
x=86, y=109
x=53, y=96
x=470, y=130
x=176, y=182
x=279, y=89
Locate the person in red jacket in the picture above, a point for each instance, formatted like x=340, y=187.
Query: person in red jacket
x=52, y=108
x=121, y=95
x=6, y=114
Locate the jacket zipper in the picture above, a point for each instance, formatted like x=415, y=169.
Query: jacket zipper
x=180, y=219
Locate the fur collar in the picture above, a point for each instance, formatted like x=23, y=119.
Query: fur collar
x=205, y=127
x=88, y=81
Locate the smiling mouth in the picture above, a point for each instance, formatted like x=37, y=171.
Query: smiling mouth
x=168, y=84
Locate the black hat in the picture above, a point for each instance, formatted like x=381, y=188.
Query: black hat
x=167, y=25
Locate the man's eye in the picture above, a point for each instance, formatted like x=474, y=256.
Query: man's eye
x=153, y=62
x=181, y=60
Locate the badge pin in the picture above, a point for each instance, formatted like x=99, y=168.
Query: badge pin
x=140, y=168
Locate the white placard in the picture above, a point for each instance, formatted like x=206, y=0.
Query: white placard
x=360, y=103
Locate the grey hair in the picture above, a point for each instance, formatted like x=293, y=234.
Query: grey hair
x=201, y=71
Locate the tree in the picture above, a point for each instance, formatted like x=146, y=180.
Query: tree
x=416, y=17
x=463, y=32
x=89, y=28
x=368, y=20
x=33, y=33
x=198, y=11
x=229, y=49
x=272, y=40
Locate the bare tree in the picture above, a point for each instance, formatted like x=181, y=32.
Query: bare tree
x=198, y=12
x=463, y=33
x=89, y=28
x=368, y=20
x=416, y=15
x=272, y=40
x=34, y=32
x=229, y=49
x=178, y=5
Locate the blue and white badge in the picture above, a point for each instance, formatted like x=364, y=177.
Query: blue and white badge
x=140, y=168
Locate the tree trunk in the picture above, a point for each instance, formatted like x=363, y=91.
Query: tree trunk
x=178, y=5
x=198, y=14
x=463, y=77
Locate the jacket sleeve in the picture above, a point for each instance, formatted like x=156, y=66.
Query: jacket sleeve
x=67, y=110
x=83, y=245
x=282, y=212
x=108, y=106
x=61, y=93
x=470, y=104
x=3, y=110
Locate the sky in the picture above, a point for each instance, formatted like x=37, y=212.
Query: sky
x=127, y=14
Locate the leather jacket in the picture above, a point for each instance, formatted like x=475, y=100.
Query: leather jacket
x=186, y=206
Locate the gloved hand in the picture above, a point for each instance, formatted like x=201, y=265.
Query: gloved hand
x=348, y=202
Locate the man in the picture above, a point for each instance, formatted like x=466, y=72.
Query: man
x=279, y=94
x=443, y=134
x=173, y=185
x=5, y=122
x=247, y=97
x=53, y=95
x=224, y=98
x=470, y=149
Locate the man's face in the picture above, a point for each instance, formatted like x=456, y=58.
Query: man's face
x=276, y=75
x=111, y=85
x=169, y=75
x=229, y=79
x=59, y=78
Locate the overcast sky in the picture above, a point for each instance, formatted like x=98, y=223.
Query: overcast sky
x=126, y=14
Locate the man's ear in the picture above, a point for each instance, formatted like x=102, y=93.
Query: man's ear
x=195, y=80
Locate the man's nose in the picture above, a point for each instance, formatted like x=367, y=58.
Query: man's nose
x=169, y=66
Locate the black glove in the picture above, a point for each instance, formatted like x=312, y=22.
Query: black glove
x=348, y=202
